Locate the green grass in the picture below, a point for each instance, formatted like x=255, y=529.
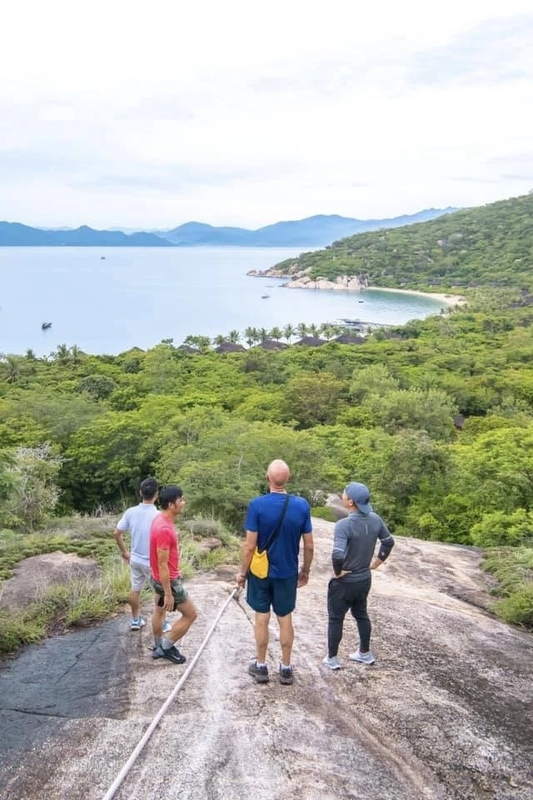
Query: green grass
x=87, y=537
x=86, y=601
x=513, y=569
x=324, y=512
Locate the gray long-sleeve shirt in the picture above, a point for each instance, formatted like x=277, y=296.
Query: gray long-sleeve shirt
x=355, y=541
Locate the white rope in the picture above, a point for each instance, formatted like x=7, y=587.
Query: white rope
x=155, y=722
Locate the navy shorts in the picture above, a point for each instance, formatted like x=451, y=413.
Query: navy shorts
x=262, y=594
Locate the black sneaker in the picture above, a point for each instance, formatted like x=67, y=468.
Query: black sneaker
x=259, y=673
x=286, y=676
x=172, y=654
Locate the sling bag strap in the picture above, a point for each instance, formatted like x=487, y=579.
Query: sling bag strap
x=277, y=528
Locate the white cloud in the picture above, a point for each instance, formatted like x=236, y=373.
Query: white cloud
x=241, y=113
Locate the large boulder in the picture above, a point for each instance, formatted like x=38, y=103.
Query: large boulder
x=34, y=575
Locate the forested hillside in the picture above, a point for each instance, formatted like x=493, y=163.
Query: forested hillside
x=436, y=416
x=491, y=245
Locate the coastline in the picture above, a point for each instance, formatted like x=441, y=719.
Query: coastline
x=352, y=283
x=449, y=299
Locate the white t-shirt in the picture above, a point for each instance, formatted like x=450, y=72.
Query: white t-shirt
x=138, y=521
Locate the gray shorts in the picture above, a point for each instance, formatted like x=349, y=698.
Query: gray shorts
x=179, y=592
x=140, y=576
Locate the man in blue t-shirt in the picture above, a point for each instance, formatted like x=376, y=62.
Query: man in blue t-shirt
x=278, y=590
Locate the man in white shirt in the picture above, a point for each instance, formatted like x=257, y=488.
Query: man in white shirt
x=138, y=520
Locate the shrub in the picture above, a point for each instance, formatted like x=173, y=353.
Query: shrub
x=324, y=512
x=518, y=607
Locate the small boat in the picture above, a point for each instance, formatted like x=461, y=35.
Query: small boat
x=264, y=296
x=46, y=325
x=102, y=258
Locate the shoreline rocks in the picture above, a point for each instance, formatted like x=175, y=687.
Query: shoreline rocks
x=300, y=280
x=344, y=283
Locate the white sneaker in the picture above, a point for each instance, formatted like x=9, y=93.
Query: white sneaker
x=332, y=663
x=364, y=658
x=137, y=623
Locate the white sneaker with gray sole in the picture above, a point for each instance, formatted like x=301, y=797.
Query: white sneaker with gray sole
x=363, y=658
x=332, y=663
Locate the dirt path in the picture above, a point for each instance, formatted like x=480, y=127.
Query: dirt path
x=446, y=712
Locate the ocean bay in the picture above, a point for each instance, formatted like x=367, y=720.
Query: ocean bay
x=107, y=300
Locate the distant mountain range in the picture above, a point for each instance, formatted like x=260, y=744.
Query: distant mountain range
x=15, y=234
x=315, y=231
x=310, y=232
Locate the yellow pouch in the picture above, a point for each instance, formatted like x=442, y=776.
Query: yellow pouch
x=259, y=564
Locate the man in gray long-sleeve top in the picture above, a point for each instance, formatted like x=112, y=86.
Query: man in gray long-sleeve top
x=352, y=558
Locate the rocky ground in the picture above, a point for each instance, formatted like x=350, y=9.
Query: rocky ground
x=446, y=711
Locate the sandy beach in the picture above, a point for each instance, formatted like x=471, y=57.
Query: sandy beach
x=448, y=299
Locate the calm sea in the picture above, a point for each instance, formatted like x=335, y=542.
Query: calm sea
x=106, y=300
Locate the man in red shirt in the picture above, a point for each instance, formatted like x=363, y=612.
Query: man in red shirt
x=166, y=579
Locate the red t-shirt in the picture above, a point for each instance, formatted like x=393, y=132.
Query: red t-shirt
x=163, y=536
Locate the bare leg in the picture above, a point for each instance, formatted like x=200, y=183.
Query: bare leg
x=286, y=638
x=158, y=617
x=181, y=626
x=261, y=635
x=135, y=603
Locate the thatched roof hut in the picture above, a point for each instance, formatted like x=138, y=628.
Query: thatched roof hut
x=272, y=344
x=349, y=338
x=230, y=347
x=310, y=341
x=188, y=350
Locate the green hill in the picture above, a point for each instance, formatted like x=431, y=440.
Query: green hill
x=489, y=245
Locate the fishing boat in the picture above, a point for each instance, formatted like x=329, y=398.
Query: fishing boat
x=46, y=325
x=265, y=296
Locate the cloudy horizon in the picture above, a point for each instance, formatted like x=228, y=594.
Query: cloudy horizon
x=116, y=116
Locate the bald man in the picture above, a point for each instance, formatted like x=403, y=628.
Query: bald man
x=290, y=516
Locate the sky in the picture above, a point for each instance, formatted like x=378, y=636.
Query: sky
x=146, y=116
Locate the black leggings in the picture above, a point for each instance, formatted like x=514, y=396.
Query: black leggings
x=344, y=596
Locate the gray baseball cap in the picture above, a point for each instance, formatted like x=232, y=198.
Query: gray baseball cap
x=360, y=495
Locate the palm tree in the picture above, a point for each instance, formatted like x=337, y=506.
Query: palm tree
x=75, y=354
x=313, y=329
x=263, y=334
x=220, y=339
x=201, y=343
x=30, y=354
x=276, y=334
x=204, y=343
x=288, y=332
x=61, y=354
x=302, y=329
x=251, y=336
x=327, y=330
x=13, y=371
x=234, y=337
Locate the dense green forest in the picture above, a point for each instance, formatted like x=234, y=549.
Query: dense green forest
x=492, y=245
x=436, y=416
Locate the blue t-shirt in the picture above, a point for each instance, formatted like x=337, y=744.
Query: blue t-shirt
x=262, y=518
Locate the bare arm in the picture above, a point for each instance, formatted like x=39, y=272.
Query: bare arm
x=303, y=575
x=121, y=546
x=248, y=547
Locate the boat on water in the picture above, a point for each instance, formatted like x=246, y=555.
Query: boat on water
x=46, y=325
x=264, y=296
